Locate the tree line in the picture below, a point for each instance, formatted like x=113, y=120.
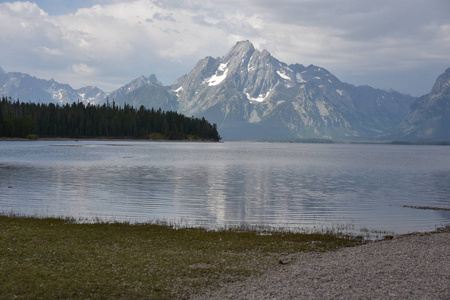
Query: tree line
x=22, y=120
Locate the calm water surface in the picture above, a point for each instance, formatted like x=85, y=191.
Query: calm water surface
x=232, y=183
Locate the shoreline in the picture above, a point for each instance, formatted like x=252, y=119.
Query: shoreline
x=103, y=139
x=415, y=265
x=193, y=263
x=53, y=258
x=306, y=141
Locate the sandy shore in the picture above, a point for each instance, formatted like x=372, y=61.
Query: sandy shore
x=413, y=266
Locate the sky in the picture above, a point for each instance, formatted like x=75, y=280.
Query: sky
x=389, y=44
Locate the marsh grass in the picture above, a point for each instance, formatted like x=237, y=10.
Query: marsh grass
x=56, y=258
x=426, y=207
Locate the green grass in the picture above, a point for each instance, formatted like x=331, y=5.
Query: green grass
x=60, y=259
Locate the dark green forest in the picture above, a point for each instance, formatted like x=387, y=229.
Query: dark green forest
x=31, y=120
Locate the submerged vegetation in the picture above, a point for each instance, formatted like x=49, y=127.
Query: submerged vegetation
x=60, y=259
x=369, y=142
x=426, y=207
x=31, y=120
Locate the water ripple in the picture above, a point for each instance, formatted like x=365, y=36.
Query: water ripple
x=269, y=184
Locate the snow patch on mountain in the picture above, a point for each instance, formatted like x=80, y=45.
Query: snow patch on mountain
x=55, y=93
x=260, y=98
x=219, y=77
x=85, y=98
x=178, y=91
x=300, y=78
x=283, y=75
x=58, y=96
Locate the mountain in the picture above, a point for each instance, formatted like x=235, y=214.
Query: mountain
x=28, y=88
x=91, y=94
x=132, y=86
x=251, y=95
x=429, y=118
x=147, y=91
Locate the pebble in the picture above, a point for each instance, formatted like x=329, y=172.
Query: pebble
x=413, y=266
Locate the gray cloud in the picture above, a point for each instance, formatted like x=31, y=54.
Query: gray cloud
x=159, y=17
x=386, y=43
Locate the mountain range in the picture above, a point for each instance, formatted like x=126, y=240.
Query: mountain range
x=29, y=88
x=251, y=95
x=429, y=117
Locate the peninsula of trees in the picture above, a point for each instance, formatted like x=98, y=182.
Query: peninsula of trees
x=22, y=120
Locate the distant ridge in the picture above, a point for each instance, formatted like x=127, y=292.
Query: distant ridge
x=29, y=88
x=429, y=118
x=251, y=95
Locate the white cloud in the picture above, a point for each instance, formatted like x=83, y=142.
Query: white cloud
x=119, y=40
x=83, y=69
x=53, y=51
x=25, y=9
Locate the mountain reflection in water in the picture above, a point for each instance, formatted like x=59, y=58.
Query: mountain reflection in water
x=232, y=183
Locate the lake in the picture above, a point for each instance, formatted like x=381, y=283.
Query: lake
x=352, y=186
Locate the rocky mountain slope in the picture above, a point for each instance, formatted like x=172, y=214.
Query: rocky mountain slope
x=89, y=94
x=28, y=88
x=250, y=95
x=146, y=91
x=429, y=118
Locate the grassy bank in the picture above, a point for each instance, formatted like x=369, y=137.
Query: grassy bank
x=60, y=259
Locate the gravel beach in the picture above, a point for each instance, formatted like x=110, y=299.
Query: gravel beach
x=412, y=266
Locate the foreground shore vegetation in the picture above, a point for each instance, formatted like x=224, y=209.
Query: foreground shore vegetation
x=32, y=121
x=56, y=258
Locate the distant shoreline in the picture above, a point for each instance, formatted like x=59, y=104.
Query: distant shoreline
x=364, y=142
x=56, y=139
x=292, y=141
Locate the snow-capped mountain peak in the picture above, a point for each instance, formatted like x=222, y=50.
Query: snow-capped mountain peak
x=28, y=88
x=249, y=94
x=256, y=90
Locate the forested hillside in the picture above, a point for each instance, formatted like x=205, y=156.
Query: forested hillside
x=21, y=120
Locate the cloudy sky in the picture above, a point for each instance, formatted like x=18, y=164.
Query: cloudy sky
x=399, y=44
